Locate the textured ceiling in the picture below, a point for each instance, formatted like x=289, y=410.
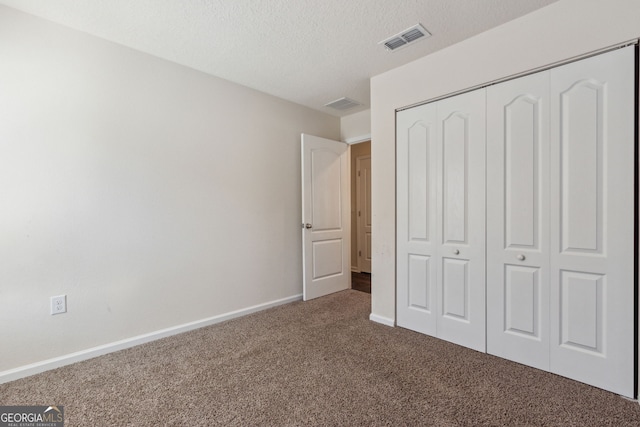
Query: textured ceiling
x=307, y=51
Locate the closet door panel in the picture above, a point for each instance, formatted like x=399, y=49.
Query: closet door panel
x=461, y=219
x=455, y=288
x=455, y=167
x=592, y=209
x=518, y=220
x=416, y=207
x=581, y=166
x=522, y=301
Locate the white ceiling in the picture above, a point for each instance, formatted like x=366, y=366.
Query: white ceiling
x=307, y=51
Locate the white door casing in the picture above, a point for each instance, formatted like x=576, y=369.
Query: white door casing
x=325, y=216
x=363, y=208
x=592, y=220
x=518, y=220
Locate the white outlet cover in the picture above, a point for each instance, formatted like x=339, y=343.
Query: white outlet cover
x=59, y=304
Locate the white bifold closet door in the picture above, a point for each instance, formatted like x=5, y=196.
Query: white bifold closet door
x=560, y=228
x=417, y=241
x=560, y=231
x=592, y=221
x=518, y=220
x=441, y=215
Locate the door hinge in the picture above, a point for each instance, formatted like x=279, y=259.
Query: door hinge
x=359, y=213
x=359, y=253
x=358, y=173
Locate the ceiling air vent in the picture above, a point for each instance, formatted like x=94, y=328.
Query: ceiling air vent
x=408, y=36
x=342, y=104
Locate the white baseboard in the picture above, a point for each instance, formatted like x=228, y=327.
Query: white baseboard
x=355, y=270
x=383, y=320
x=68, y=359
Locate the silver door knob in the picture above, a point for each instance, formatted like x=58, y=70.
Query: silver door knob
x=521, y=257
x=456, y=252
x=307, y=225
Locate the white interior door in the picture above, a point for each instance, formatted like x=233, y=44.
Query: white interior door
x=592, y=220
x=417, y=241
x=518, y=220
x=461, y=219
x=325, y=216
x=363, y=206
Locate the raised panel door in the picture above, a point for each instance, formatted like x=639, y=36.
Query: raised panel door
x=417, y=248
x=518, y=220
x=363, y=165
x=461, y=219
x=592, y=221
x=325, y=216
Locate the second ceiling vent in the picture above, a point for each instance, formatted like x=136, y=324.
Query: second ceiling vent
x=343, y=103
x=408, y=36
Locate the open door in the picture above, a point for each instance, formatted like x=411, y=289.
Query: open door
x=325, y=217
x=363, y=203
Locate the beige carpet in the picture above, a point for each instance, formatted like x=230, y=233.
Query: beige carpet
x=315, y=363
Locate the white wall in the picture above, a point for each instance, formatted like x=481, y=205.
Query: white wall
x=355, y=126
x=557, y=32
x=152, y=195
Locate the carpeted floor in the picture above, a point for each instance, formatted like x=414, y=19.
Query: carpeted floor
x=316, y=363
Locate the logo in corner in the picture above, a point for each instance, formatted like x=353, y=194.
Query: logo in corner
x=31, y=416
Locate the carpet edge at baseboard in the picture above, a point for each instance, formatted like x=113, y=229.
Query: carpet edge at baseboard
x=382, y=320
x=90, y=353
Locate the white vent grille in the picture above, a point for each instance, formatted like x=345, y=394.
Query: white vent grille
x=408, y=36
x=342, y=104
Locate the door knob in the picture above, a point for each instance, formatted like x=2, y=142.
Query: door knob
x=521, y=257
x=456, y=251
x=307, y=225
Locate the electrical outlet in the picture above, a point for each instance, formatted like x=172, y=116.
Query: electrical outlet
x=59, y=304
